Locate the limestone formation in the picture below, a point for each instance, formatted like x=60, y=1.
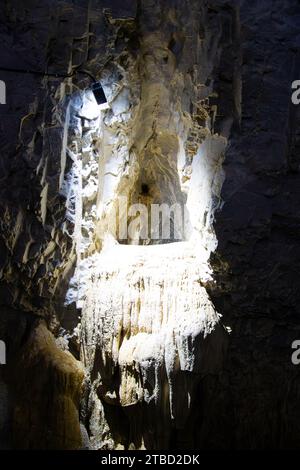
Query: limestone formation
x=54, y=377
x=142, y=341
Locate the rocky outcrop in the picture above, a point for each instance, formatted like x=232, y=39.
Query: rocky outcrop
x=54, y=378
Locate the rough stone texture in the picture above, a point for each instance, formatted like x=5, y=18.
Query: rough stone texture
x=54, y=377
x=150, y=334
x=257, y=288
x=220, y=67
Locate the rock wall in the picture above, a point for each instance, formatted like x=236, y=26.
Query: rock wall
x=190, y=84
x=257, y=229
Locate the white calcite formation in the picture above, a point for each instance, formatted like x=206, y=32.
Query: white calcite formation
x=148, y=321
x=149, y=332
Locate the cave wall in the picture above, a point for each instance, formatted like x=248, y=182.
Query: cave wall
x=238, y=59
x=258, y=231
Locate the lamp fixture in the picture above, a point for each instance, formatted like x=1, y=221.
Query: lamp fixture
x=100, y=95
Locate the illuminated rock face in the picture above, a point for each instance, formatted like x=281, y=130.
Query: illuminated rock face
x=149, y=330
x=149, y=334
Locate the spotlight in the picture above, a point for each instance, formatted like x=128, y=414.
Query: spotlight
x=96, y=86
x=100, y=95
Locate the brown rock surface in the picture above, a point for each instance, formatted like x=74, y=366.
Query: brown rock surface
x=46, y=383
